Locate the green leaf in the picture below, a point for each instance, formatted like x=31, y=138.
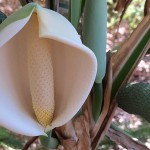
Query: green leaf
x=75, y=8
x=82, y=6
x=2, y=17
x=9, y=139
x=49, y=142
x=4, y=133
x=131, y=52
x=142, y=132
x=115, y=127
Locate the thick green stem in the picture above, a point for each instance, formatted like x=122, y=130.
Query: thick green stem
x=94, y=32
x=94, y=37
x=75, y=7
x=97, y=102
x=49, y=142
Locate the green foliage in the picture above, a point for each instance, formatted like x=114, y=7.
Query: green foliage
x=106, y=144
x=142, y=133
x=98, y=100
x=49, y=142
x=75, y=10
x=132, y=99
x=135, y=99
x=2, y=17
x=10, y=140
x=112, y=16
x=133, y=15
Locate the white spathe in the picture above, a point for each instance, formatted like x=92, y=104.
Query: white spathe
x=74, y=69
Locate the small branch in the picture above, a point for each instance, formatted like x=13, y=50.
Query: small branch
x=29, y=143
x=125, y=140
x=105, y=125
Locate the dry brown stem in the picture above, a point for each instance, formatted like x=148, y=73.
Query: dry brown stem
x=30, y=142
x=105, y=125
x=107, y=95
x=124, y=140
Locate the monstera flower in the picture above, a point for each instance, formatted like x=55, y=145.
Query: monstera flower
x=46, y=73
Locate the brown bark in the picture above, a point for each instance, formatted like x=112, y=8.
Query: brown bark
x=105, y=126
x=124, y=140
x=107, y=84
x=147, y=8
x=30, y=142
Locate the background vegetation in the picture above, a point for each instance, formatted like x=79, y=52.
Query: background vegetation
x=134, y=125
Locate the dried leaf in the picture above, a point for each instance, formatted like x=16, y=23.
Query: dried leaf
x=75, y=135
x=69, y=144
x=87, y=107
x=60, y=147
x=120, y=5
x=82, y=130
x=105, y=125
x=67, y=136
x=66, y=131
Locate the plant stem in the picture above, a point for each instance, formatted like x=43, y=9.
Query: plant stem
x=107, y=85
x=29, y=143
x=53, y=5
x=98, y=100
x=122, y=138
x=105, y=125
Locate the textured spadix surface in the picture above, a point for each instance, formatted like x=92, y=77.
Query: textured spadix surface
x=40, y=68
x=46, y=73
